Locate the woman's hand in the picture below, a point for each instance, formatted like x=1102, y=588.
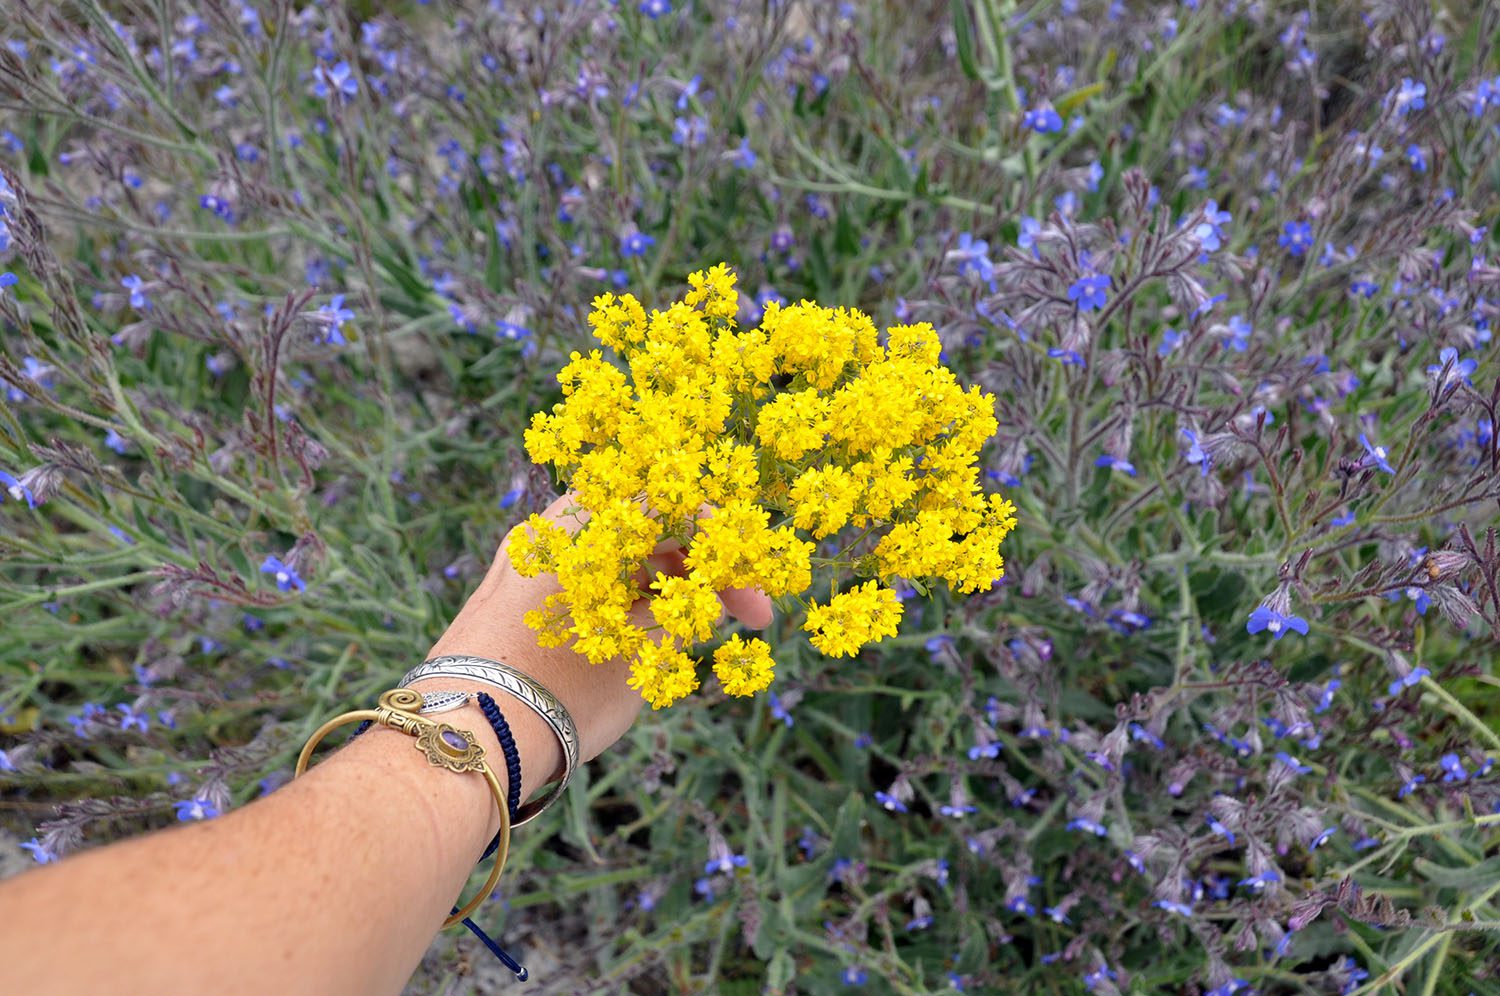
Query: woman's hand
x=601, y=702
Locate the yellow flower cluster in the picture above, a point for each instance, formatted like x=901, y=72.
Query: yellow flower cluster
x=745, y=448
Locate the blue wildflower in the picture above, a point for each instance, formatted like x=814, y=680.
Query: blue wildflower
x=1266, y=618
x=1196, y=453
x=990, y=750
x=1097, y=977
x=1210, y=231
x=890, y=802
x=286, y=577
x=1409, y=96
x=656, y=8
x=136, y=286
x=689, y=132
x=1240, y=331
x=43, y=854
x=1219, y=828
x=635, y=244
x=16, y=489
x=1410, y=680
x=1026, y=238
x=1416, y=594
x=725, y=861
x=130, y=719
x=338, y=80
x=1296, y=237
x=1140, y=734
x=1350, y=973
x=1453, y=768
x=781, y=710
x=1022, y=905
x=196, y=809
x=1449, y=368
x=1229, y=988
x=1291, y=762
x=1325, y=700
x=331, y=317
x=1378, y=455
x=1170, y=340
x=972, y=256
x=1042, y=119
x=1088, y=291
x=1087, y=826
x=854, y=975
x=1115, y=463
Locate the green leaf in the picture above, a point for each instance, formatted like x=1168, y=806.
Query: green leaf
x=780, y=972
x=846, y=824
x=1471, y=878
x=845, y=239
x=1217, y=592
x=1069, y=102
x=964, y=34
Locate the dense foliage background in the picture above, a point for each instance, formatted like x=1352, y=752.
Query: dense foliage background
x=289, y=280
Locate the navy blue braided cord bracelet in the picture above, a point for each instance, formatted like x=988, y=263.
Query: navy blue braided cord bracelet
x=512, y=803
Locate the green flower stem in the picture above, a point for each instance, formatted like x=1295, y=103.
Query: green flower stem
x=53, y=594
x=1460, y=711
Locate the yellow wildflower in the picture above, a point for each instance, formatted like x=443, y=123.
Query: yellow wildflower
x=807, y=340
x=662, y=673
x=685, y=608
x=885, y=485
x=732, y=474
x=674, y=482
x=550, y=621
x=807, y=416
x=786, y=567
x=745, y=361
x=534, y=546
x=605, y=632
x=874, y=410
x=918, y=343
x=824, y=498
x=744, y=667
x=793, y=423
x=682, y=328
x=921, y=548
x=715, y=291
x=729, y=544
x=554, y=438
x=619, y=323
x=864, y=614
x=605, y=476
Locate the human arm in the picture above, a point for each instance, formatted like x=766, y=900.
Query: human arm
x=338, y=881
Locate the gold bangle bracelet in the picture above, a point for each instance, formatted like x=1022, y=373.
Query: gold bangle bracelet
x=444, y=746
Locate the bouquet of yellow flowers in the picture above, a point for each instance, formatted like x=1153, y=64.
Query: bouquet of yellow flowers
x=767, y=454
